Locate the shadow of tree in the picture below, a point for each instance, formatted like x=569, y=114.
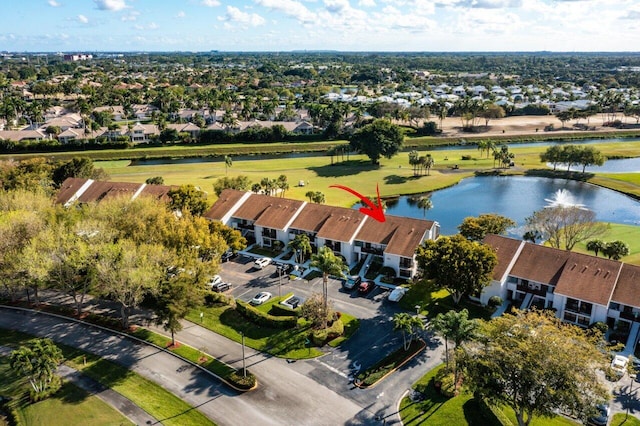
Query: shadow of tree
x=397, y=179
x=345, y=168
x=475, y=416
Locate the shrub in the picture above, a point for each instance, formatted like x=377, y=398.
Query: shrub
x=600, y=326
x=212, y=298
x=387, y=271
x=238, y=380
x=279, y=310
x=446, y=381
x=322, y=336
x=466, y=157
x=494, y=302
x=260, y=318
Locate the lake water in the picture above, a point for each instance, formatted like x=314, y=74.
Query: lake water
x=516, y=197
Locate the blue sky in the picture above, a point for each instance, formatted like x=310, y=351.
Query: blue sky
x=350, y=25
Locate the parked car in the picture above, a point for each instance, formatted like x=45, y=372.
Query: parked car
x=220, y=287
x=260, y=298
x=284, y=269
x=397, y=293
x=215, y=280
x=262, y=262
x=292, y=302
x=365, y=287
x=228, y=255
x=351, y=282
x=619, y=364
x=602, y=418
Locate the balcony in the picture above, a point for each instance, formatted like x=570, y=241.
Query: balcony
x=247, y=226
x=373, y=250
x=533, y=288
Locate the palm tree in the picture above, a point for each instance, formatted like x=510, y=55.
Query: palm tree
x=300, y=243
x=407, y=324
x=425, y=204
x=455, y=326
x=414, y=160
x=596, y=246
x=329, y=264
x=228, y=162
x=37, y=361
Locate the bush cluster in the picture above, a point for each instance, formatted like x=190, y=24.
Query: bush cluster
x=266, y=320
x=324, y=335
x=279, y=310
x=213, y=298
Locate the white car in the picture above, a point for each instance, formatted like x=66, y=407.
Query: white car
x=619, y=364
x=397, y=293
x=262, y=262
x=215, y=280
x=260, y=298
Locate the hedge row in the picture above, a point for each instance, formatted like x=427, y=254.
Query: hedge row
x=260, y=318
x=279, y=310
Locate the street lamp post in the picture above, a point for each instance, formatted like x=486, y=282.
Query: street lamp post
x=279, y=282
x=244, y=367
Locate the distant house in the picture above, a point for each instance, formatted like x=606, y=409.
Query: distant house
x=23, y=135
x=141, y=133
x=117, y=111
x=192, y=129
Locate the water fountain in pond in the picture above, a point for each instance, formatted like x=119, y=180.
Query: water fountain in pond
x=563, y=198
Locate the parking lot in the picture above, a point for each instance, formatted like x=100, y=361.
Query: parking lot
x=246, y=281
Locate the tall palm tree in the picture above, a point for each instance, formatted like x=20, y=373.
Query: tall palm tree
x=425, y=204
x=408, y=324
x=301, y=243
x=455, y=326
x=329, y=264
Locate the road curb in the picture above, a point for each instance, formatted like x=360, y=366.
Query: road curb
x=136, y=339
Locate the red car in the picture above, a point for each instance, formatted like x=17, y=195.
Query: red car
x=365, y=287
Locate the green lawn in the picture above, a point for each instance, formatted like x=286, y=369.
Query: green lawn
x=624, y=420
x=433, y=301
x=630, y=234
x=152, y=398
x=72, y=405
x=394, y=175
x=462, y=410
x=227, y=322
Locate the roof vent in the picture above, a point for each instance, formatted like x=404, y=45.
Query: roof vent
x=585, y=268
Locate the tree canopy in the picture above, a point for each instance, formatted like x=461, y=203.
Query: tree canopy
x=456, y=264
x=535, y=364
x=566, y=225
x=378, y=139
x=476, y=228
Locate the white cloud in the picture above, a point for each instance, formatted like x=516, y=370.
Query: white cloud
x=210, y=3
x=131, y=16
x=54, y=3
x=181, y=14
x=113, y=5
x=367, y=3
x=236, y=15
x=83, y=19
x=291, y=8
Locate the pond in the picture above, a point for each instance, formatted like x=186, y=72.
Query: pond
x=516, y=197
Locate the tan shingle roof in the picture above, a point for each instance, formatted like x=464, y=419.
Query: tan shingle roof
x=98, y=191
x=227, y=199
x=402, y=235
x=539, y=263
x=331, y=223
x=268, y=212
x=588, y=278
x=627, y=289
x=68, y=189
x=160, y=192
x=505, y=248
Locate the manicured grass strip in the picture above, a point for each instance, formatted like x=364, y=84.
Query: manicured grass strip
x=351, y=325
x=389, y=364
x=72, y=406
x=621, y=419
x=226, y=372
x=152, y=398
x=226, y=321
x=630, y=234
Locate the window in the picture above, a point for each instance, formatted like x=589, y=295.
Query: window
x=614, y=306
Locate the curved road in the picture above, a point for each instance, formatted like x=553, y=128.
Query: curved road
x=285, y=397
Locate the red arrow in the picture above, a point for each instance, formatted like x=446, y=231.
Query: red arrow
x=374, y=211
